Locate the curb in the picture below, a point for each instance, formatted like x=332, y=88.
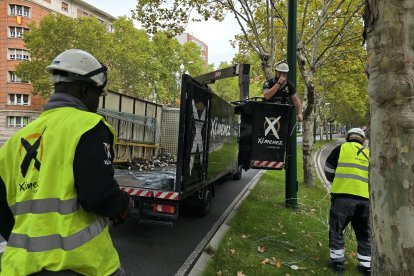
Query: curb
x=319, y=169
x=216, y=234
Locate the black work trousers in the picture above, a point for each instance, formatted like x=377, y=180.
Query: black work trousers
x=345, y=210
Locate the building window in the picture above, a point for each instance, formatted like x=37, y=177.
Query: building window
x=19, y=99
x=17, y=32
x=19, y=10
x=18, y=54
x=26, y=11
x=12, y=77
x=64, y=7
x=17, y=121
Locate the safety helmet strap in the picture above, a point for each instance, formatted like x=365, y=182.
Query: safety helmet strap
x=103, y=69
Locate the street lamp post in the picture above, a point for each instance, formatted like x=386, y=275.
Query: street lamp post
x=177, y=79
x=316, y=110
x=291, y=178
x=177, y=83
x=328, y=107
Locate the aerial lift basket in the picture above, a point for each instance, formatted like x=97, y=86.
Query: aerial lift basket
x=263, y=133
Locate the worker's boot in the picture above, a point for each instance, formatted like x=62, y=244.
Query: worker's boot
x=337, y=267
x=366, y=271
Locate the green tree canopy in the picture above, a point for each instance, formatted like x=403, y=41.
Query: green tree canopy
x=139, y=65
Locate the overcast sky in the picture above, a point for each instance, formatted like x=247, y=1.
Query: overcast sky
x=216, y=34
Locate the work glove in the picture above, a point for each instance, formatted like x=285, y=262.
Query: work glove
x=119, y=219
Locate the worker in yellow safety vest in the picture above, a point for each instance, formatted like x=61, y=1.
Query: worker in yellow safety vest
x=347, y=168
x=57, y=186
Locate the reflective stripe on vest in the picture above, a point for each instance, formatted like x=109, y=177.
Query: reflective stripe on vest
x=351, y=174
x=45, y=243
x=48, y=205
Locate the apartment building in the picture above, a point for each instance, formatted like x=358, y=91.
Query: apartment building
x=186, y=37
x=18, y=106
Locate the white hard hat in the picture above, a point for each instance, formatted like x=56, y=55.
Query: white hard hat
x=75, y=64
x=357, y=133
x=282, y=66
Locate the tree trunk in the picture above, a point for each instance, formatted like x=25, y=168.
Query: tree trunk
x=390, y=39
x=267, y=65
x=308, y=118
x=307, y=143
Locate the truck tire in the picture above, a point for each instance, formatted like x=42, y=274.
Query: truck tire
x=238, y=174
x=204, y=204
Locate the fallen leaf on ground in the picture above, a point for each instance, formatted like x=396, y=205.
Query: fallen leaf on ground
x=265, y=261
x=232, y=251
x=219, y=273
x=352, y=254
x=278, y=264
x=245, y=236
x=261, y=249
x=240, y=273
x=320, y=244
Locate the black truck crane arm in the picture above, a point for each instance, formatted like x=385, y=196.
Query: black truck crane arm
x=242, y=70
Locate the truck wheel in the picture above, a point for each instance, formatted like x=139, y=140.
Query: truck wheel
x=238, y=174
x=205, y=202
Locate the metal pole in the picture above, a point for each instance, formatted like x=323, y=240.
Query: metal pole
x=314, y=125
x=330, y=131
x=291, y=171
x=175, y=89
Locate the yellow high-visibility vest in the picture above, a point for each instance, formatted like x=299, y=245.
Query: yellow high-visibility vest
x=52, y=231
x=351, y=175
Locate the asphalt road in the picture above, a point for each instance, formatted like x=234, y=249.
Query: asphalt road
x=162, y=250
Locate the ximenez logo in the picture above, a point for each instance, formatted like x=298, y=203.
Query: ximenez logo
x=218, y=129
x=269, y=142
x=271, y=126
x=28, y=186
x=199, y=120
